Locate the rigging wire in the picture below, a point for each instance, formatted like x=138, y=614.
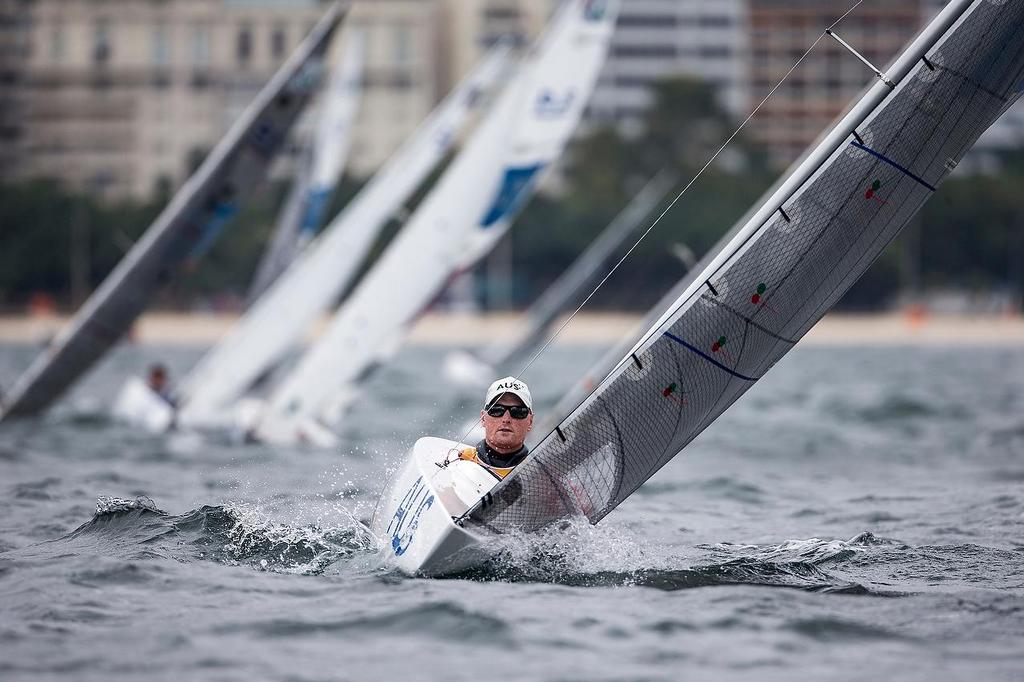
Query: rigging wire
x=551, y=339
x=689, y=184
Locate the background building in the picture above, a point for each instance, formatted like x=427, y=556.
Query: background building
x=121, y=99
x=826, y=82
x=656, y=39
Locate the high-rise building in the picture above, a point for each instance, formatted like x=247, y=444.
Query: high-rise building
x=830, y=77
x=654, y=39
x=657, y=39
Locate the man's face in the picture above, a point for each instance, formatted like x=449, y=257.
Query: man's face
x=504, y=433
x=157, y=380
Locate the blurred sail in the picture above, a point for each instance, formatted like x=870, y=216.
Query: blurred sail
x=199, y=209
x=462, y=219
x=569, y=289
x=316, y=279
x=320, y=170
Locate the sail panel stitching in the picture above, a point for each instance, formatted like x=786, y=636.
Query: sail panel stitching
x=886, y=159
x=710, y=359
x=752, y=322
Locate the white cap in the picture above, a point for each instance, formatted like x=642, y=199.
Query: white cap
x=509, y=385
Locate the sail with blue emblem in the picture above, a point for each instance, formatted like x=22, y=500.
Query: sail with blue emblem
x=460, y=221
x=568, y=290
x=794, y=258
x=312, y=284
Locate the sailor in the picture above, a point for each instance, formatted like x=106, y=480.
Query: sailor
x=507, y=417
x=157, y=382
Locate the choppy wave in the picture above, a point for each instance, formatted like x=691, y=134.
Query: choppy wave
x=230, y=534
x=573, y=554
x=579, y=554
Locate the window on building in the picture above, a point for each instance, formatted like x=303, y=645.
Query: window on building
x=645, y=51
x=278, y=42
x=199, y=45
x=714, y=21
x=715, y=52
x=649, y=21
x=243, y=44
x=160, y=45
x=402, y=44
x=102, y=50
x=58, y=42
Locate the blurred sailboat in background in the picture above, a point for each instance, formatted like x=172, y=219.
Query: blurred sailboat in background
x=320, y=168
x=214, y=193
x=459, y=222
x=477, y=369
x=208, y=396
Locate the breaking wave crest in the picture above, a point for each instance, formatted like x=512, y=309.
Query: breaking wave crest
x=236, y=534
x=579, y=554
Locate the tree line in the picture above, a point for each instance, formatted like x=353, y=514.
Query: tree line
x=968, y=237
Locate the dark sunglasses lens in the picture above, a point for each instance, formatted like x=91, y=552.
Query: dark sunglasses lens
x=516, y=411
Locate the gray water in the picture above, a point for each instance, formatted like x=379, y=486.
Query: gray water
x=859, y=514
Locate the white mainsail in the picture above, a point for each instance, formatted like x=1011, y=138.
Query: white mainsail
x=566, y=291
x=782, y=271
x=320, y=169
x=461, y=220
x=215, y=191
x=315, y=280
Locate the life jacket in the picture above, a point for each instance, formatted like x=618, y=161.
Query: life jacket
x=471, y=455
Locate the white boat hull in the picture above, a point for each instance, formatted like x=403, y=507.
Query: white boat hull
x=137, y=404
x=414, y=517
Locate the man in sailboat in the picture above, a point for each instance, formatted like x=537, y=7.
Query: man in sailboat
x=507, y=417
x=158, y=382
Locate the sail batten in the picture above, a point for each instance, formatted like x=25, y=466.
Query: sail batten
x=794, y=259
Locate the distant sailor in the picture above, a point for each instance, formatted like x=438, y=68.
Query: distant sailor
x=158, y=383
x=507, y=418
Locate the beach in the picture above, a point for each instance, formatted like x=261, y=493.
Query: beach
x=447, y=329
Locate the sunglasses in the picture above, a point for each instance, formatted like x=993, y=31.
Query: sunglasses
x=515, y=411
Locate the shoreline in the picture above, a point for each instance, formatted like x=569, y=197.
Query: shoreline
x=452, y=329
